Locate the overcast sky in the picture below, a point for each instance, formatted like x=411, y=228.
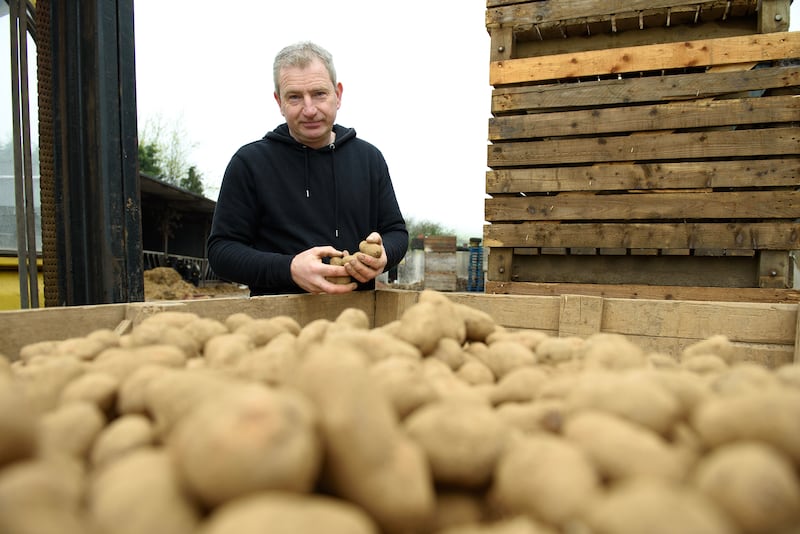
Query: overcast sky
x=415, y=77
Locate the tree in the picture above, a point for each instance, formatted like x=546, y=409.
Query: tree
x=192, y=181
x=425, y=228
x=163, y=153
x=150, y=159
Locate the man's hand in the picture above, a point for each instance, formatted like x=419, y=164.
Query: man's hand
x=309, y=272
x=365, y=268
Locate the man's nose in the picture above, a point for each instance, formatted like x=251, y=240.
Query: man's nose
x=309, y=108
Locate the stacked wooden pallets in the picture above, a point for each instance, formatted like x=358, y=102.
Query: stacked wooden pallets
x=643, y=148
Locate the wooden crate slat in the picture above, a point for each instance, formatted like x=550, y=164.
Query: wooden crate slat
x=647, y=147
x=691, y=114
x=639, y=90
x=776, y=235
x=722, y=51
x=646, y=176
x=520, y=14
x=648, y=291
x=709, y=271
x=694, y=205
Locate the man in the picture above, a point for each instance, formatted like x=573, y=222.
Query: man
x=308, y=191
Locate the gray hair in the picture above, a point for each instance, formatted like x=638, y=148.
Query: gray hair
x=301, y=55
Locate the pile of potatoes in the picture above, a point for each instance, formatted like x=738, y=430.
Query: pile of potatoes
x=441, y=422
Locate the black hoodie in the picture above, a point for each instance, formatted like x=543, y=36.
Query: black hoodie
x=279, y=197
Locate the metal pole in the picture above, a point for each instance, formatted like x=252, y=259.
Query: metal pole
x=23, y=174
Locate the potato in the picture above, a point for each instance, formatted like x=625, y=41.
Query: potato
x=71, y=429
x=228, y=350
x=554, y=350
x=97, y=388
x=450, y=352
x=503, y=357
x=42, y=381
x=620, y=449
x=370, y=249
x=545, y=477
x=457, y=509
x=17, y=424
x=154, y=332
x=461, y=441
x=771, y=416
x=131, y=391
x=520, y=385
x=202, y=329
x=475, y=372
x=705, y=364
x=789, y=375
x=514, y=525
x=261, y=331
x=250, y=439
x=611, y=351
x=431, y=319
x=288, y=513
x=353, y=318
x=715, y=345
x=121, y=436
x=403, y=382
x=121, y=362
x=235, y=320
x=532, y=417
x=754, y=484
x=368, y=459
x=42, y=497
x=655, y=506
x=478, y=323
x=627, y=395
x=271, y=364
x=171, y=395
x=527, y=338
x=140, y=493
x=743, y=377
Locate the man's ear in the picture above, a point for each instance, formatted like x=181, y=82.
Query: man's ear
x=339, y=90
x=278, y=100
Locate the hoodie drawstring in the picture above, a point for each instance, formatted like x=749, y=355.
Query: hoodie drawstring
x=332, y=147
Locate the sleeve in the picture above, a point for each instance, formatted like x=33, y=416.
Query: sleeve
x=391, y=224
x=231, y=251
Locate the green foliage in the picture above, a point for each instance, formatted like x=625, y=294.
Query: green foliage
x=150, y=159
x=425, y=228
x=192, y=181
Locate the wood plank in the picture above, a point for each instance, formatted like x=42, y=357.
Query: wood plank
x=629, y=91
x=775, y=269
x=723, y=51
x=738, y=321
x=696, y=205
x=774, y=235
x=599, y=36
x=580, y=315
x=514, y=311
x=521, y=14
x=22, y=327
x=647, y=147
x=773, y=16
x=642, y=291
x=499, y=263
x=690, y=114
x=761, y=173
x=708, y=271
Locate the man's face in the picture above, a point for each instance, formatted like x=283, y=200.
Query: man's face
x=308, y=101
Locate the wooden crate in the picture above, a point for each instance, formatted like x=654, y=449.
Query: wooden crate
x=616, y=161
x=440, y=263
x=761, y=332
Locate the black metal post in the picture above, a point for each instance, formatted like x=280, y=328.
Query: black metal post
x=97, y=205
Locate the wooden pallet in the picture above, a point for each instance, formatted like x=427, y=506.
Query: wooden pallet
x=668, y=164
